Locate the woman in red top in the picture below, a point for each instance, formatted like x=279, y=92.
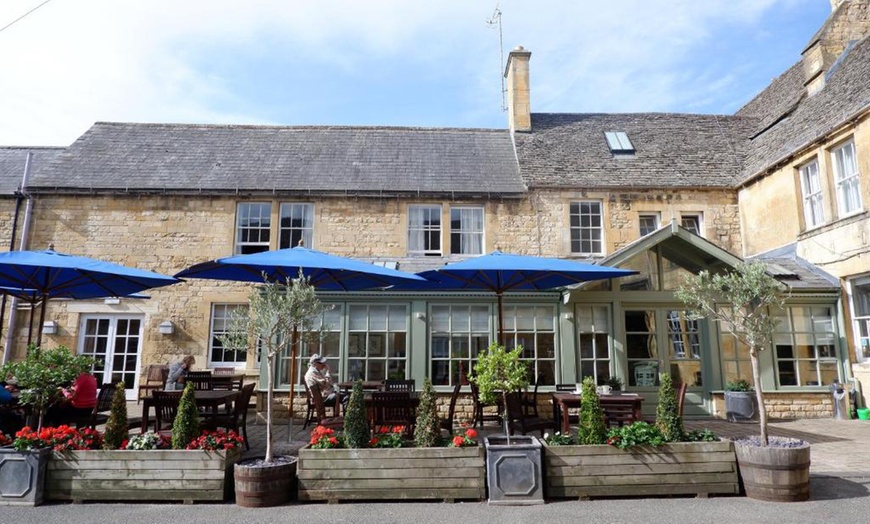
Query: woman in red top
x=78, y=403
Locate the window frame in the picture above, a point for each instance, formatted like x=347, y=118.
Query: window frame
x=242, y=247
x=657, y=222
x=786, y=331
x=458, y=234
x=541, y=332
x=846, y=184
x=306, y=229
x=369, y=334
x=214, y=343
x=812, y=193
x=594, y=332
x=425, y=230
x=860, y=320
x=577, y=228
x=699, y=218
x=477, y=339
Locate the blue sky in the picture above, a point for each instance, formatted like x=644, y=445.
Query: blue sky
x=380, y=62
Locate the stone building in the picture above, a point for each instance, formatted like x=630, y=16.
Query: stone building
x=663, y=194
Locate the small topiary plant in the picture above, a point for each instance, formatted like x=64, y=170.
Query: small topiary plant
x=356, y=423
x=668, y=420
x=427, y=432
x=186, y=425
x=116, y=426
x=592, y=429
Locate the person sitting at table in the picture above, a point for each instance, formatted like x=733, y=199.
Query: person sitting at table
x=318, y=377
x=77, y=403
x=10, y=419
x=178, y=372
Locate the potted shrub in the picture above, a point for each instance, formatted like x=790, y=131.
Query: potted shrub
x=278, y=316
x=357, y=465
x=513, y=463
x=41, y=376
x=639, y=459
x=739, y=400
x=741, y=301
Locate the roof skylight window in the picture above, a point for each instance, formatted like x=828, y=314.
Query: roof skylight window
x=619, y=143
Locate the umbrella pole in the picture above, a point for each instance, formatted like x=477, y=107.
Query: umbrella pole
x=293, y=351
x=500, y=319
x=41, y=320
x=30, y=325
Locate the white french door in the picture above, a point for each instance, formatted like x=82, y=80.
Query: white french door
x=115, y=341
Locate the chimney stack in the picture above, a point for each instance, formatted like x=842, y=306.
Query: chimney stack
x=849, y=22
x=517, y=75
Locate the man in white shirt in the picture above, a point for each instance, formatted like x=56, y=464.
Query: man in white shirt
x=318, y=377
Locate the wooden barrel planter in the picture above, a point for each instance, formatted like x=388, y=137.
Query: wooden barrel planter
x=778, y=474
x=264, y=485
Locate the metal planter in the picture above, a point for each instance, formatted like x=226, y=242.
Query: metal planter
x=513, y=472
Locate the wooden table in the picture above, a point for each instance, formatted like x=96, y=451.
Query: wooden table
x=210, y=399
x=625, y=407
x=371, y=385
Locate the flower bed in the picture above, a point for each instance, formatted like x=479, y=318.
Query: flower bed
x=681, y=468
x=390, y=473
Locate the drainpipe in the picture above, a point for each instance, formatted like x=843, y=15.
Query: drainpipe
x=25, y=233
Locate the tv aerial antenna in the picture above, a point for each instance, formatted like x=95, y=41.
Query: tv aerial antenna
x=495, y=20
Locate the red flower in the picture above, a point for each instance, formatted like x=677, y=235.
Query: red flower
x=457, y=441
x=384, y=430
x=373, y=442
x=471, y=433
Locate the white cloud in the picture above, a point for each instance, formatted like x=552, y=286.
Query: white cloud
x=72, y=63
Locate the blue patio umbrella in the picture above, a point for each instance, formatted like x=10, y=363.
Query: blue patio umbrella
x=326, y=272
x=502, y=272
x=37, y=276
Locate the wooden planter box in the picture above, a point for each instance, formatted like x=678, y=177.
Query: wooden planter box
x=686, y=468
x=446, y=474
x=156, y=475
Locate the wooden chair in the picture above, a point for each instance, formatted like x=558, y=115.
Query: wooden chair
x=100, y=413
x=406, y=386
x=618, y=415
x=155, y=378
x=237, y=419
x=393, y=408
x=223, y=371
x=530, y=402
x=681, y=396
x=166, y=409
x=447, y=423
x=336, y=423
x=201, y=380
x=477, y=407
x=517, y=417
x=311, y=409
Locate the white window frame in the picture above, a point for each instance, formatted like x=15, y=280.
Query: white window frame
x=219, y=319
x=111, y=343
x=811, y=188
x=583, y=227
x=382, y=332
x=288, y=236
x=467, y=237
x=860, y=315
x=698, y=217
x=656, y=222
x=326, y=341
x=846, y=177
x=806, y=369
x=248, y=224
x=422, y=230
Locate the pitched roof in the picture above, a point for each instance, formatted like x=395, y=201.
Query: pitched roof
x=845, y=95
x=305, y=159
x=672, y=150
x=13, y=160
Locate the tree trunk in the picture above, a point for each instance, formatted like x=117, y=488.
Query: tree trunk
x=756, y=379
x=270, y=363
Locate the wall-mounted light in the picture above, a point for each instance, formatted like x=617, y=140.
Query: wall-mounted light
x=166, y=327
x=568, y=316
x=111, y=301
x=49, y=327
x=421, y=316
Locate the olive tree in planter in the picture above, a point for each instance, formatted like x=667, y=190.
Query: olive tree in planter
x=279, y=315
x=513, y=464
x=741, y=301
